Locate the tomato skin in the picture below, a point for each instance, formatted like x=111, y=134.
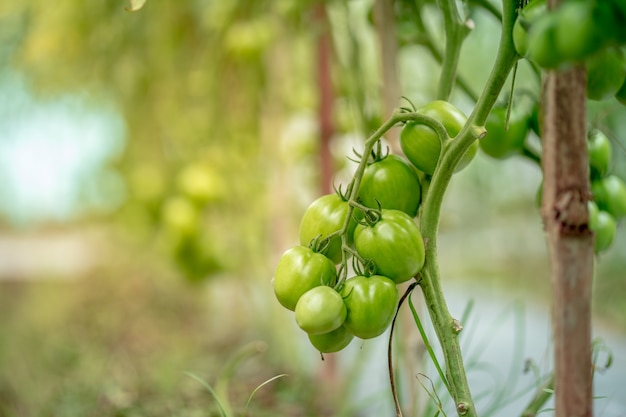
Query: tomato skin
x=577, y=32
x=371, y=303
x=394, y=243
x=500, y=142
x=422, y=146
x=605, y=228
x=333, y=341
x=606, y=72
x=524, y=22
x=299, y=270
x=609, y=193
x=542, y=42
x=392, y=182
x=600, y=152
x=320, y=310
x=324, y=216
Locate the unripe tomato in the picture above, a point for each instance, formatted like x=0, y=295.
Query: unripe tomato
x=320, y=310
x=605, y=228
x=324, y=216
x=606, y=71
x=542, y=42
x=609, y=193
x=394, y=243
x=500, y=142
x=299, y=270
x=393, y=183
x=599, y=149
x=180, y=215
x=577, y=32
x=593, y=209
x=371, y=303
x=422, y=146
x=523, y=23
x=333, y=341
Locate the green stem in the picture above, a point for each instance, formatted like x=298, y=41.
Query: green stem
x=436, y=53
x=447, y=328
x=455, y=31
x=369, y=144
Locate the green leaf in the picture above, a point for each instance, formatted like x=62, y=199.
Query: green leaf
x=213, y=393
x=258, y=388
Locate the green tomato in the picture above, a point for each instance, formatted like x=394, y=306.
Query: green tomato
x=299, y=270
x=577, y=32
x=609, y=193
x=320, y=310
x=523, y=23
x=593, y=209
x=500, y=142
x=333, y=341
x=599, y=149
x=180, y=215
x=542, y=42
x=393, y=183
x=422, y=146
x=606, y=71
x=605, y=228
x=371, y=303
x=393, y=243
x=324, y=216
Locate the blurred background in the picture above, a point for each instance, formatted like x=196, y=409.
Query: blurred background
x=154, y=166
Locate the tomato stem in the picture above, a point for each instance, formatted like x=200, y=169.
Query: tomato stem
x=446, y=328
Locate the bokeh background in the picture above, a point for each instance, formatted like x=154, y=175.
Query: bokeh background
x=154, y=166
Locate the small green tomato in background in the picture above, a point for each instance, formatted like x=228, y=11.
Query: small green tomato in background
x=371, y=303
x=393, y=183
x=422, y=146
x=324, y=216
x=180, y=215
x=298, y=271
x=606, y=71
x=393, y=243
x=600, y=153
x=320, y=310
x=605, y=228
x=609, y=193
x=331, y=342
x=500, y=142
x=542, y=42
x=524, y=22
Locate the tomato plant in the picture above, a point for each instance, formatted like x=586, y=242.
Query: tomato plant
x=422, y=146
x=371, y=304
x=393, y=183
x=393, y=242
x=323, y=217
x=320, y=310
x=299, y=270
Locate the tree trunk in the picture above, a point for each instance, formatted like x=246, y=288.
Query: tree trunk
x=570, y=242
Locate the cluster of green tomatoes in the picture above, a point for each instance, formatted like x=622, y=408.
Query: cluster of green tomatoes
x=577, y=31
x=374, y=225
x=609, y=191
